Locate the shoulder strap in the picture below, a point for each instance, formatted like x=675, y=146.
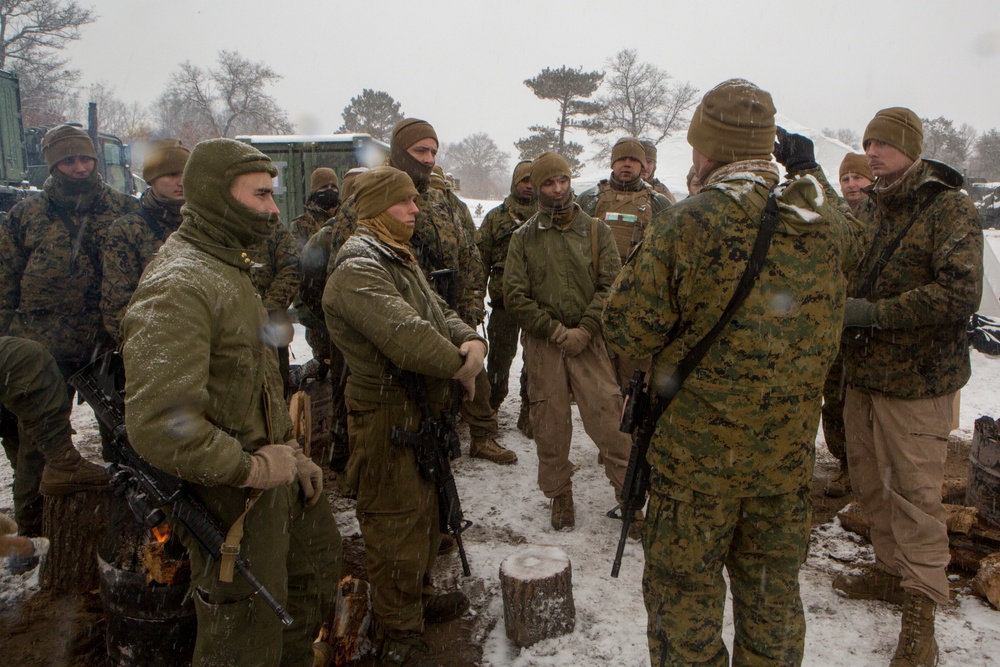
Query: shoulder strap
x=594, y=248
x=76, y=237
x=155, y=225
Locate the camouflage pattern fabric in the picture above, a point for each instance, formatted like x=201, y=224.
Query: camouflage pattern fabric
x=304, y=226
x=313, y=260
x=131, y=242
x=927, y=291
x=658, y=186
x=275, y=270
x=50, y=271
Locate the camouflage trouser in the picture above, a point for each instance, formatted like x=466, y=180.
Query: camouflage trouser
x=34, y=421
x=398, y=513
x=502, y=332
x=760, y=541
x=833, y=411
x=295, y=551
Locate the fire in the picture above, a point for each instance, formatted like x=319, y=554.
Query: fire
x=161, y=532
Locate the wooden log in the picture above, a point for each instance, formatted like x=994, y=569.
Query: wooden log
x=986, y=584
x=953, y=491
x=960, y=520
x=74, y=524
x=537, y=586
x=344, y=636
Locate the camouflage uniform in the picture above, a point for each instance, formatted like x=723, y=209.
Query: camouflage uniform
x=307, y=224
x=383, y=314
x=909, y=367
x=732, y=457
x=659, y=187
x=493, y=239
x=609, y=196
x=131, y=242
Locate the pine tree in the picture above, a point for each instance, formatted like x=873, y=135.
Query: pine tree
x=373, y=112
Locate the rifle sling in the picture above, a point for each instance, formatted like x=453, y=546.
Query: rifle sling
x=230, y=548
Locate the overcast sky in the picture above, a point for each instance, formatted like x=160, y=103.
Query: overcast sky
x=461, y=64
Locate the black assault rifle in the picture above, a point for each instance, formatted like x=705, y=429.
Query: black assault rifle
x=146, y=488
x=635, y=421
x=435, y=444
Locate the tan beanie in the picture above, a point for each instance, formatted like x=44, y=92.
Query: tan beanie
x=322, y=176
x=649, y=149
x=855, y=163
x=347, y=187
x=522, y=170
x=165, y=156
x=900, y=128
x=380, y=188
x=411, y=130
x=548, y=165
x=628, y=147
x=64, y=141
x=734, y=121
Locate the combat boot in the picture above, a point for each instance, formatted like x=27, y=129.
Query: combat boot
x=840, y=485
x=524, y=422
x=445, y=607
x=917, y=646
x=871, y=584
x=399, y=654
x=491, y=450
x=68, y=472
x=563, y=515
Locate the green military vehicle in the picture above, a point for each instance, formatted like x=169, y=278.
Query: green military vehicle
x=22, y=167
x=296, y=156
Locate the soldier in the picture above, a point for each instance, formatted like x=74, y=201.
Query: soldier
x=493, y=240
x=854, y=175
x=906, y=359
x=624, y=193
x=50, y=277
x=555, y=279
x=133, y=239
x=322, y=204
x=446, y=250
x=732, y=456
x=204, y=402
x=649, y=172
x=33, y=390
x=386, y=318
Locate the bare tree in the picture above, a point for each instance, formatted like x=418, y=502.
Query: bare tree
x=986, y=163
x=479, y=163
x=224, y=101
x=373, y=112
x=947, y=143
x=640, y=101
x=129, y=121
x=32, y=34
x=845, y=136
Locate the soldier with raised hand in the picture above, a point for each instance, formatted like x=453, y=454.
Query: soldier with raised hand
x=385, y=317
x=908, y=355
x=649, y=172
x=203, y=401
x=731, y=457
x=493, y=239
x=133, y=239
x=50, y=278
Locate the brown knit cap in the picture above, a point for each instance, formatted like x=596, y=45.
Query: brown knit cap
x=649, y=149
x=628, y=147
x=165, y=156
x=548, y=165
x=855, y=163
x=350, y=179
x=380, y=188
x=900, y=128
x=522, y=170
x=322, y=176
x=734, y=121
x=411, y=130
x=64, y=141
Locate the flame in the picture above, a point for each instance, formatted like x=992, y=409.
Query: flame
x=161, y=532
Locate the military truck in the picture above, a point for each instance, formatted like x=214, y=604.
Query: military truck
x=296, y=156
x=22, y=166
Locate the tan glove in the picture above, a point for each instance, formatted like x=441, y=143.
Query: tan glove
x=574, y=341
x=271, y=466
x=310, y=477
x=474, y=352
x=559, y=335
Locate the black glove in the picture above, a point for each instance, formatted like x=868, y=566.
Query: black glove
x=794, y=151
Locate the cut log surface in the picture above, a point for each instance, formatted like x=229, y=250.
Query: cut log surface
x=537, y=586
x=987, y=581
x=74, y=524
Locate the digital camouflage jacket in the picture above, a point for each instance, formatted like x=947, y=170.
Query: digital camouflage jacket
x=493, y=240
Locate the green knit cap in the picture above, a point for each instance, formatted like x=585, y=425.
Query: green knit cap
x=380, y=188
x=649, y=148
x=734, y=121
x=522, y=170
x=164, y=157
x=548, y=165
x=900, y=128
x=856, y=164
x=208, y=175
x=65, y=141
x=628, y=147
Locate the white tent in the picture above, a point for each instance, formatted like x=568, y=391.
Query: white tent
x=990, y=304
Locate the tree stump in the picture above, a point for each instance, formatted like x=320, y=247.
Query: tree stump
x=75, y=525
x=987, y=581
x=537, y=585
x=343, y=638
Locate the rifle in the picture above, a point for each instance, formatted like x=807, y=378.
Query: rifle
x=146, y=488
x=435, y=444
x=635, y=415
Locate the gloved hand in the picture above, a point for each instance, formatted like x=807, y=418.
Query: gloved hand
x=309, y=474
x=859, y=313
x=575, y=341
x=559, y=335
x=794, y=151
x=474, y=352
x=271, y=466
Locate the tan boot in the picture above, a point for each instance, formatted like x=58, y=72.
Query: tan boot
x=871, y=584
x=68, y=472
x=524, y=422
x=840, y=485
x=491, y=450
x=563, y=515
x=917, y=646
